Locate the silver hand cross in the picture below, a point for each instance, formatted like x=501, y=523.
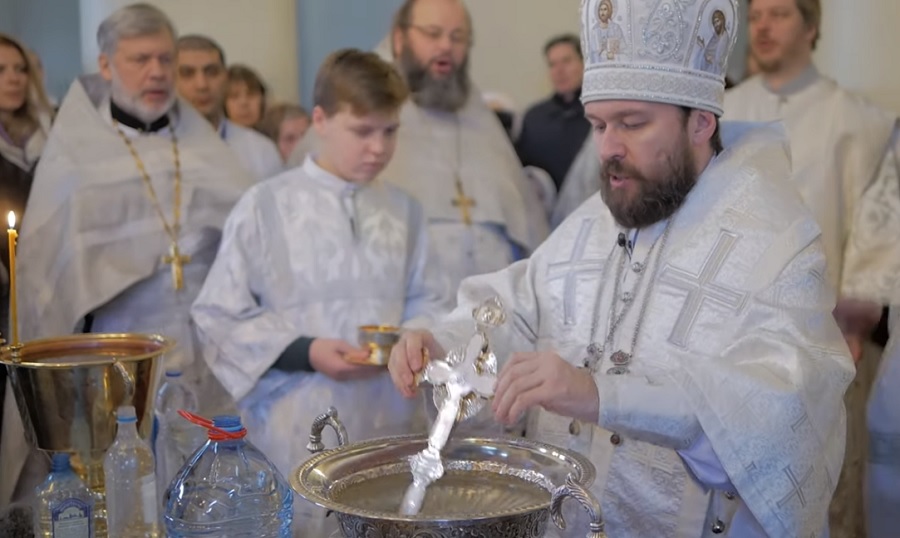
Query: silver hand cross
x=463, y=382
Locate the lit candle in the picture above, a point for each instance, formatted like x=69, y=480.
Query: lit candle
x=13, y=309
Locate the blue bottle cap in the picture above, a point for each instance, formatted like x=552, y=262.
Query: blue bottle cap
x=60, y=462
x=229, y=423
x=173, y=373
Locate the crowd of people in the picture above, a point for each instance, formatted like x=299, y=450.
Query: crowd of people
x=699, y=281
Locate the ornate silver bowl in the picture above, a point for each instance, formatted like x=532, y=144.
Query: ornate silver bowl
x=492, y=487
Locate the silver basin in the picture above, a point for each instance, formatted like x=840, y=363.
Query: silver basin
x=492, y=487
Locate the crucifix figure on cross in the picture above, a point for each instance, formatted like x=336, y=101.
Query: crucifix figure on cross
x=464, y=203
x=177, y=260
x=463, y=383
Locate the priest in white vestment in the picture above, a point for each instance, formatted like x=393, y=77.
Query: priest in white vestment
x=452, y=153
x=310, y=256
x=132, y=190
x=677, y=328
x=202, y=79
x=845, y=167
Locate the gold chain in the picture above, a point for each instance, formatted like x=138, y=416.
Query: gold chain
x=173, y=229
x=174, y=258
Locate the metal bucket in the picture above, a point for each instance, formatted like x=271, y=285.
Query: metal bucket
x=68, y=389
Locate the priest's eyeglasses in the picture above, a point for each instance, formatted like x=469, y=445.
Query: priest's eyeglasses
x=435, y=33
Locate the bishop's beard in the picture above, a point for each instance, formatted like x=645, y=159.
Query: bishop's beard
x=448, y=94
x=657, y=198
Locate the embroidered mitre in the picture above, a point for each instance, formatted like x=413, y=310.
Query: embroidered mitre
x=667, y=51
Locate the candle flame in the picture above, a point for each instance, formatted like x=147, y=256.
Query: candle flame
x=11, y=219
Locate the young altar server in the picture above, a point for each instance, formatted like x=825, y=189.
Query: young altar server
x=308, y=257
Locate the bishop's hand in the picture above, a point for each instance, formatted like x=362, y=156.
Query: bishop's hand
x=544, y=379
x=333, y=358
x=408, y=359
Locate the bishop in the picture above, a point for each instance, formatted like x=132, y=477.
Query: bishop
x=728, y=416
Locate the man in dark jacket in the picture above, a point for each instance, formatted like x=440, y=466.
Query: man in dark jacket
x=554, y=130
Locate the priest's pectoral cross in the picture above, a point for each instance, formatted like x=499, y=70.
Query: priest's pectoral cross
x=464, y=203
x=177, y=260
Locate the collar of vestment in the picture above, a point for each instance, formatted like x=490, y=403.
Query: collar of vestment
x=802, y=81
x=129, y=120
x=325, y=178
x=640, y=240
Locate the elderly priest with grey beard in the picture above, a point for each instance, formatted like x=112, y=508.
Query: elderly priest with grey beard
x=125, y=215
x=676, y=328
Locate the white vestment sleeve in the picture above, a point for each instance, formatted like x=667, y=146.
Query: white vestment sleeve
x=240, y=337
x=703, y=462
x=647, y=408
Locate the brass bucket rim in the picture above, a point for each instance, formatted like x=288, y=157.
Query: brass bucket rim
x=58, y=347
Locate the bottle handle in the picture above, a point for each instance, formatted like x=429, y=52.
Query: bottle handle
x=215, y=434
x=329, y=418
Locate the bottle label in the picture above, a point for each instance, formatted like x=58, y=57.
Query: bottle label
x=71, y=519
x=149, y=499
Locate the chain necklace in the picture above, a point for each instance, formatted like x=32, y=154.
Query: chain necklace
x=174, y=256
x=463, y=202
x=597, y=352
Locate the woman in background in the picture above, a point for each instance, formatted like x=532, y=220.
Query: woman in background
x=285, y=124
x=24, y=124
x=25, y=116
x=245, y=100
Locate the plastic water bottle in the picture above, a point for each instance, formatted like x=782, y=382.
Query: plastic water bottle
x=177, y=439
x=131, y=500
x=64, y=504
x=228, y=489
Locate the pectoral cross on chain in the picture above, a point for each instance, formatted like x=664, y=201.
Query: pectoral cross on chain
x=177, y=260
x=464, y=203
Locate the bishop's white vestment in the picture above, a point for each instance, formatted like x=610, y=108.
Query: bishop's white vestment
x=255, y=151
x=309, y=254
x=731, y=411
x=93, y=243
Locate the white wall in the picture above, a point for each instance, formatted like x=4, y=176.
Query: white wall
x=508, y=55
x=259, y=33
x=859, y=47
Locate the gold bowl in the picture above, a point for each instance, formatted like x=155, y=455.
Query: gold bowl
x=379, y=340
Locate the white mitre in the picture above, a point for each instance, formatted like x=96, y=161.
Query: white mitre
x=666, y=51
